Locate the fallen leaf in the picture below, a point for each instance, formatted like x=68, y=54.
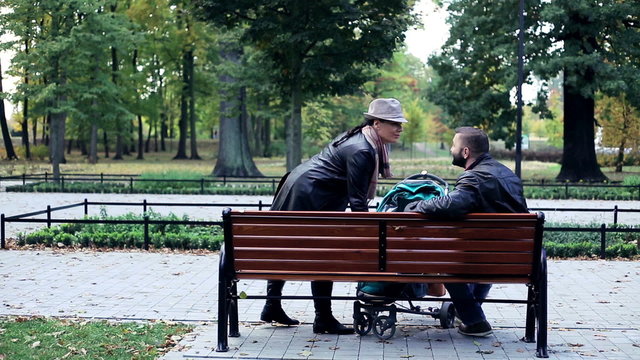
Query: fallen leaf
x=575, y=344
x=497, y=344
x=520, y=350
x=305, y=353
x=242, y=295
x=476, y=343
x=407, y=356
x=484, y=351
x=334, y=347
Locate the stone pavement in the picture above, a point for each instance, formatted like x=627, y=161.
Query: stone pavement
x=592, y=308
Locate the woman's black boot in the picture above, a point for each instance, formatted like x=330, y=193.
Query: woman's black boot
x=272, y=310
x=325, y=323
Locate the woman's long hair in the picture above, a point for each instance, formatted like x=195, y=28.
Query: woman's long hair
x=353, y=131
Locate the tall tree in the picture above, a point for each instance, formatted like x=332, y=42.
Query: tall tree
x=588, y=42
x=233, y=121
x=318, y=47
x=6, y=136
x=620, y=123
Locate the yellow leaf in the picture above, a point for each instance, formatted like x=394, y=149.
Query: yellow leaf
x=305, y=353
x=242, y=295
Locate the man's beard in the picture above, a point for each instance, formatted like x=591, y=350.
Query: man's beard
x=458, y=159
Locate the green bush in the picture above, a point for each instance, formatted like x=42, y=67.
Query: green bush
x=123, y=236
x=587, y=244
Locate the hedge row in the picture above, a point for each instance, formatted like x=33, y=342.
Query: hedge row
x=127, y=236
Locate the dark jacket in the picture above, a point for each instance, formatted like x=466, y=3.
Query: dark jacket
x=330, y=180
x=486, y=186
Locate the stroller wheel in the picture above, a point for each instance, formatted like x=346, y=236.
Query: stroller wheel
x=384, y=327
x=362, y=323
x=447, y=315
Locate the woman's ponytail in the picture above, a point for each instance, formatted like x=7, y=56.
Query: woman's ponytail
x=353, y=131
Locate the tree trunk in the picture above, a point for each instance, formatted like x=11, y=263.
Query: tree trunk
x=119, y=147
x=184, y=109
x=579, y=160
x=6, y=135
x=163, y=131
x=140, y=139
x=294, y=128
x=34, y=130
x=25, y=110
x=234, y=156
x=105, y=141
x=192, y=107
x=93, y=144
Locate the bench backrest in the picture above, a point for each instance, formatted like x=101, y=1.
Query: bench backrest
x=406, y=247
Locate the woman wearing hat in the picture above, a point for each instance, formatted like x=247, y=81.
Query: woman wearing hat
x=344, y=173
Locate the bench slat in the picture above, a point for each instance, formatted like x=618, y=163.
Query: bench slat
x=458, y=244
x=306, y=230
x=353, y=276
x=501, y=257
x=301, y=242
x=307, y=265
x=460, y=232
x=458, y=268
x=306, y=254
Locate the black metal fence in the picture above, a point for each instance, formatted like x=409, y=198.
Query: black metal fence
x=265, y=180
x=27, y=218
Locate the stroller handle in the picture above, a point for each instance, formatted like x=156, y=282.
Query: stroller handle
x=426, y=176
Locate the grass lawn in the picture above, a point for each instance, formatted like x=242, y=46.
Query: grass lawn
x=38, y=338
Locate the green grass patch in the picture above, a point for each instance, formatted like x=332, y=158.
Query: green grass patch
x=38, y=338
x=127, y=236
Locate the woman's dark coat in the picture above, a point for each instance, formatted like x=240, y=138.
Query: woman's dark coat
x=331, y=180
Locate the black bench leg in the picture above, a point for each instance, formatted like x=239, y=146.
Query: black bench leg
x=529, y=334
x=233, y=311
x=223, y=313
x=541, y=350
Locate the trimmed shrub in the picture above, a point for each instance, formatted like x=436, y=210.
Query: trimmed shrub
x=124, y=236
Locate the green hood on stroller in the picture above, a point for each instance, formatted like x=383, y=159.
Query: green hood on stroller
x=414, y=188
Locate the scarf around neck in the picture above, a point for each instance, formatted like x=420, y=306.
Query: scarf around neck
x=382, y=159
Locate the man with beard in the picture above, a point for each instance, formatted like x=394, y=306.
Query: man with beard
x=486, y=186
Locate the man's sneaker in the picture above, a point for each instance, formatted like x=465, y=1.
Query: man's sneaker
x=482, y=328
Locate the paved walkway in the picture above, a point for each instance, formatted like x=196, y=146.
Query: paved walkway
x=593, y=309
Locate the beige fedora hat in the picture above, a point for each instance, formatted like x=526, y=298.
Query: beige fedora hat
x=386, y=109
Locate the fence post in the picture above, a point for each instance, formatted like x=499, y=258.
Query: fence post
x=615, y=214
x=144, y=207
x=201, y=185
x=86, y=207
x=224, y=180
x=24, y=179
x=101, y=178
x=48, y=216
x=62, y=183
x=260, y=205
x=2, y=244
x=131, y=184
x=603, y=240
x=146, y=232
x=566, y=190
x=273, y=185
x=46, y=177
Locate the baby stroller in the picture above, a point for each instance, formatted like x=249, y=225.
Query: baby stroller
x=377, y=298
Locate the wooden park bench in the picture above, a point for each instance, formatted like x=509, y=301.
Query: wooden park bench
x=383, y=246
